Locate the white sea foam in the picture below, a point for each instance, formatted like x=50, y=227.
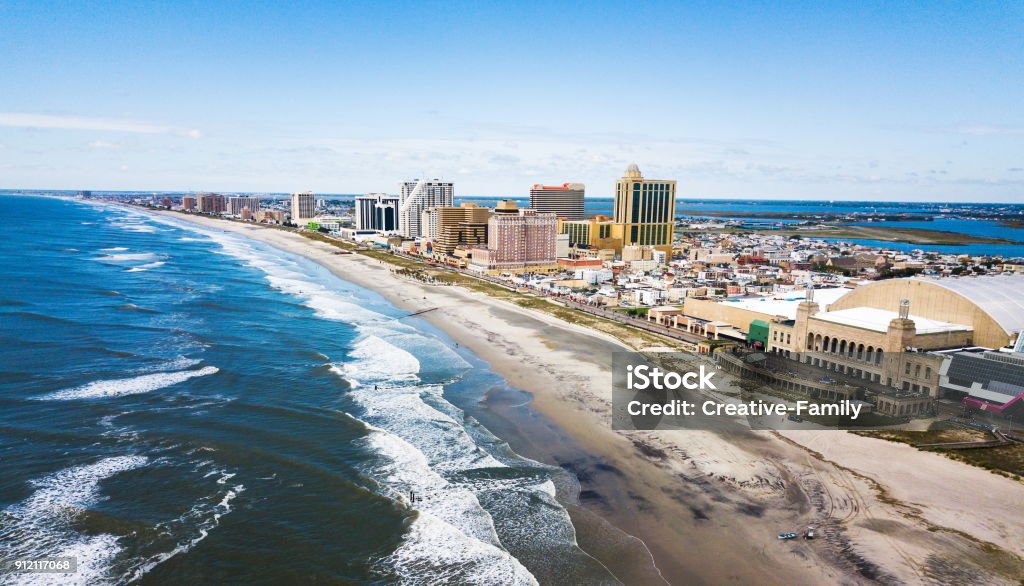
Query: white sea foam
x=136, y=227
x=128, y=386
x=146, y=267
x=547, y=487
x=286, y=275
x=374, y=360
x=416, y=446
x=452, y=537
x=42, y=525
x=127, y=257
x=441, y=438
x=178, y=363
x=114, y=249
x=434, y=552
x=326, y=303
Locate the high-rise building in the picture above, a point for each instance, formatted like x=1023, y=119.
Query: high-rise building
x=599, y=232
x=565, y=201
x=418, y=195
x=645, y=209
x=303, y=207
x=506, y=206
x=377, y=211
x=188, y=203
x=211, y=203
x=450, y=227
x=428, y=223
x=516, y=242
x=235, y=204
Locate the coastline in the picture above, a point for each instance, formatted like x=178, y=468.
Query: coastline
x=707, y=507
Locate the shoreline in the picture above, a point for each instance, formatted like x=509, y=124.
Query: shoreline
x=691, y=497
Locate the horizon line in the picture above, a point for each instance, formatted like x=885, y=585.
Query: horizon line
x=678, y=199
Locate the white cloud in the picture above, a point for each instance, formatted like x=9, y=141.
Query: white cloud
x=22, y=120
x=102, y=144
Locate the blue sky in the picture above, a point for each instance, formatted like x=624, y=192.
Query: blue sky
x=848, y=100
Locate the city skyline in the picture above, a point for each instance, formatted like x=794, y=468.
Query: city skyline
x=867, y=102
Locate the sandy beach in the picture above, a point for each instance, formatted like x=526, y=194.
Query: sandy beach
x=708, y=508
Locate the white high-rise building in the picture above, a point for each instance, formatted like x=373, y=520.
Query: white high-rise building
x=303, y=207
x=377, y=211
x=428, y=223
x=417, y=196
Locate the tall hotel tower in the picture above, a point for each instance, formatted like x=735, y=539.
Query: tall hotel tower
x=303, y=207
x=417, y=196
x=237, y=204
x=377, y=211
x=645, y=210
x=565, y=201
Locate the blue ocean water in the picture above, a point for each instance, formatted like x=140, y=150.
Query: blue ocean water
x=183, y=405
x=972, y=227
x=1005, y=251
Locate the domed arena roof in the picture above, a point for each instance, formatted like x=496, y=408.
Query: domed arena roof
x=1000, y=296
x=992, y=305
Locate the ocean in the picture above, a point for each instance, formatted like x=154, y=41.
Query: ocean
x=181, y=405
x=1013, y=248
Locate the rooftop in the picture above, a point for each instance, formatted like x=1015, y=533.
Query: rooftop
x=786, y=304
x=1000, y=296
x=877, y=320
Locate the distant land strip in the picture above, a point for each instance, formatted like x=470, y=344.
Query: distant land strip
x=909, y=235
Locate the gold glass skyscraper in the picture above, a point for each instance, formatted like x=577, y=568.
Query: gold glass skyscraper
x=645, y=210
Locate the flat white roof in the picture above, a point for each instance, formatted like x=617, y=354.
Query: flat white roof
x=877, y=320
x=992, y=396
x=785, y=304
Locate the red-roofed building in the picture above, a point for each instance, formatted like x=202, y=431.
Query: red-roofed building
x=565, y=201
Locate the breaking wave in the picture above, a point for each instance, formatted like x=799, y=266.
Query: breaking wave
x=146, y=383
x=127, y=257
x=42, y=525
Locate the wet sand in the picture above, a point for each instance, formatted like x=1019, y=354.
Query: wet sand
x=707, y=506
